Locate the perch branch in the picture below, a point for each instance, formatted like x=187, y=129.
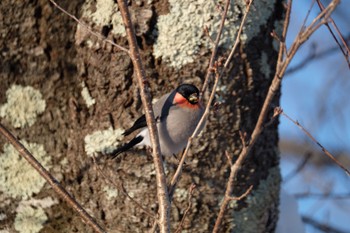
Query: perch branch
x=162, y=189
x=57, y=187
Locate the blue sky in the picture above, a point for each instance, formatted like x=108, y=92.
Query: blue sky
x=321, y=83
x=318, y=96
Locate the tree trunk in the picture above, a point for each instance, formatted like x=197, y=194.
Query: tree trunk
x=45, y=49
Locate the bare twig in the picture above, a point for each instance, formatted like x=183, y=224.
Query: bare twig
x=191, y=189
x=238, y=37
x=215, y=48
x=284, y=58
x=162, y=189
x=57, y=187
x=321, y=226
x=345, y=53
x=87, y=28
x=333, y=196
x=319, y=144
x=206, y=31
x=229, y=159
x=277, y=111
x=228, y=195
x=313, y=56
x=229, y=189
x=307, y=16
x=120, y=187
x=283, y=63
x=246, y=193
x=242, y=136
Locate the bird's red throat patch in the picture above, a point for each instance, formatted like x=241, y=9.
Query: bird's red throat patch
x=182, y=102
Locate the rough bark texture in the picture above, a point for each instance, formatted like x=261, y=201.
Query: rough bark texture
x=40, y=48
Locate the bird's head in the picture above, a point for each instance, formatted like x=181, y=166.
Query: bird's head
x=187, y=95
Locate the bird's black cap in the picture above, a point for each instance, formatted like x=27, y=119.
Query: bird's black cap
x=186, y=90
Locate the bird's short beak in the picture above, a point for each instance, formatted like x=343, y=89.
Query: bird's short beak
x=193, y=98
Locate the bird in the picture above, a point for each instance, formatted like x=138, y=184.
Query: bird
x=177, y=114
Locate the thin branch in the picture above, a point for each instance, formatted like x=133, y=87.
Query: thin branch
x=319, y=144
x=238, y=37
x=313, y=56
x=162, y=189
x=321, y=226
x=191, y=189
x=229, y=189
x=307, y=16
x=345, y=53
x=55, y=184
x=228, y=195
x=246, y=193
x=215, y=48
x=283, y=64
x=206, y=31
x=229, y=160
x=87, y=28
x=284, y=58
x=276, y=112
x=332, y=196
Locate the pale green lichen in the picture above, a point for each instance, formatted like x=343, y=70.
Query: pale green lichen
x=89, y=101
x=17, y=177
x=64, y=161
x=111, y=193
x=2, y=216
x=180, y=33
x=106, y=13
x=264, y=65
x=253, y=218
x=118, y=26
x=23, y=106
x=30, y=214
x=181, y=194
x=104, y=141
x=29, y=219
x=46, y=202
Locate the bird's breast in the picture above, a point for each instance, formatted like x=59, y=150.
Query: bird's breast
x=176, y=128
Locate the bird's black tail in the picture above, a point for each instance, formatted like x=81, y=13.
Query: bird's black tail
x=127, y=146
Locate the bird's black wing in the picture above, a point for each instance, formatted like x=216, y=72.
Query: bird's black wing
x=159, y=112
x=127, y=146
x=139, y=123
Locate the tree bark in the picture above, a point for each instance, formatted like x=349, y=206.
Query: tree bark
x=43, y=48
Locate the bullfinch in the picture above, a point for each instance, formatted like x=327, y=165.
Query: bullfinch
x=177, y=115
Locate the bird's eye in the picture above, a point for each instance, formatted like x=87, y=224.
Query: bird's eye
x=193, y=99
